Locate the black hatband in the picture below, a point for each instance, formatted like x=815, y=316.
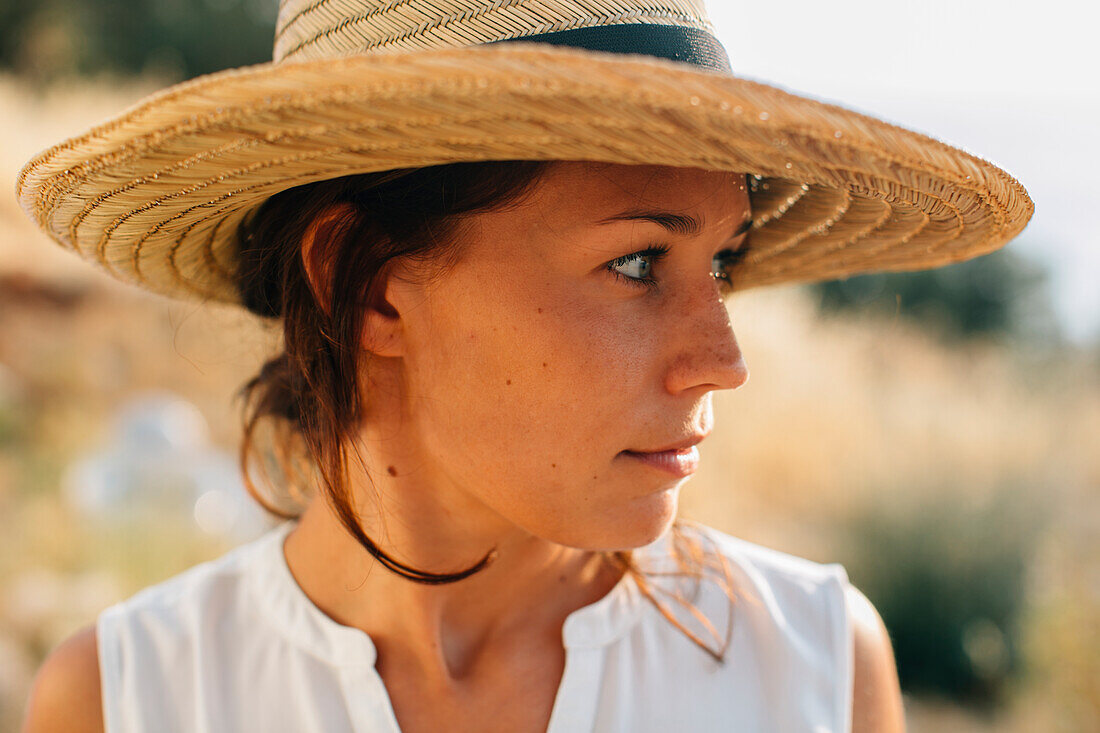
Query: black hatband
x=676, y=43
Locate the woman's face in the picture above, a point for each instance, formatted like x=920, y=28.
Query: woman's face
x=530, y=368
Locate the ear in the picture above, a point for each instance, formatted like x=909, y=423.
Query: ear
x=317, y=253
x=381, y=328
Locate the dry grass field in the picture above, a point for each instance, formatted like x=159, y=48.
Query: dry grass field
x=852, y=434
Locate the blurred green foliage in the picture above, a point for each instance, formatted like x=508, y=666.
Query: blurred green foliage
x=174, y=39
x=999, y=294
x=949, y=580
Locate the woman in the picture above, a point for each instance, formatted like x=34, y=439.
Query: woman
x=499, y=269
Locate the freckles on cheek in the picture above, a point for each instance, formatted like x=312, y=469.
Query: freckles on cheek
x=611, y=350
x=565, y=347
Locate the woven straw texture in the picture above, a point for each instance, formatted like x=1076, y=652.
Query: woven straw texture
x=154, y=196
x=310, y=29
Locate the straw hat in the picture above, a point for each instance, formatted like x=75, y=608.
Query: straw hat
x=154, y=195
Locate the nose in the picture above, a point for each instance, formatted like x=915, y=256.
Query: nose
x=707, y=354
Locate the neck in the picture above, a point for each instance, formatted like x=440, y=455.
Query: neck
x=523, y=597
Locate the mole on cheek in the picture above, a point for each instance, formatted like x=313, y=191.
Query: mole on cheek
x=509, y=381
x=391, y=470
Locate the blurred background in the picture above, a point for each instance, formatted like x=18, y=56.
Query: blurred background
x=937, y=432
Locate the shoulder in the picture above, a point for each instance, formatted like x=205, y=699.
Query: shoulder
x=154, y=627
x=780, y=564
x=805, y=594
x=797, y=603
x=786, y=584
x=876, y=696
x=189, y=600
x=66, y=692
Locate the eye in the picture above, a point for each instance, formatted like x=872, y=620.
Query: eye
x=723, y=265
x=638, y=266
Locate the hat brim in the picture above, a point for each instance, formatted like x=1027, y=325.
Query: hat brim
x=154, y=195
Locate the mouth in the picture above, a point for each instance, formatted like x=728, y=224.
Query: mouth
x=681, y=462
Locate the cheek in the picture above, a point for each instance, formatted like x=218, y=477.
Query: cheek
x=530, y=403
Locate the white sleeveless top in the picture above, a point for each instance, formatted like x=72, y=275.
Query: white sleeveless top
x=234, y=644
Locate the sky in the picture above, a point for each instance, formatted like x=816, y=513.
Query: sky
x=1015, y=83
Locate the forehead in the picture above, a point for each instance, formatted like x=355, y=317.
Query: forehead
x=585, y=209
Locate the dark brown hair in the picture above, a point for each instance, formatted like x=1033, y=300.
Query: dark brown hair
x=309, y=395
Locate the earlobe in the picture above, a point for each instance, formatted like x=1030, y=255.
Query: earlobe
x=382, y=323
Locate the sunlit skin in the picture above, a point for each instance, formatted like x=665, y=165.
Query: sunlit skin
x=500, y=399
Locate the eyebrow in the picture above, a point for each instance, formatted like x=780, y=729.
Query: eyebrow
x=674, y=223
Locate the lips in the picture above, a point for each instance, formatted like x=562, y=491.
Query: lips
x=680, y=463
x=680, y=459
x=682, y=445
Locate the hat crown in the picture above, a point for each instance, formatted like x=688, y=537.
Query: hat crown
x=312, y=29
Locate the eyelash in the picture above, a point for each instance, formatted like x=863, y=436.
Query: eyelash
x=657, y=253
x=732, y=257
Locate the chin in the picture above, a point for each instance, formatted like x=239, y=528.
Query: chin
x=630, y=526
x=656, y=519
